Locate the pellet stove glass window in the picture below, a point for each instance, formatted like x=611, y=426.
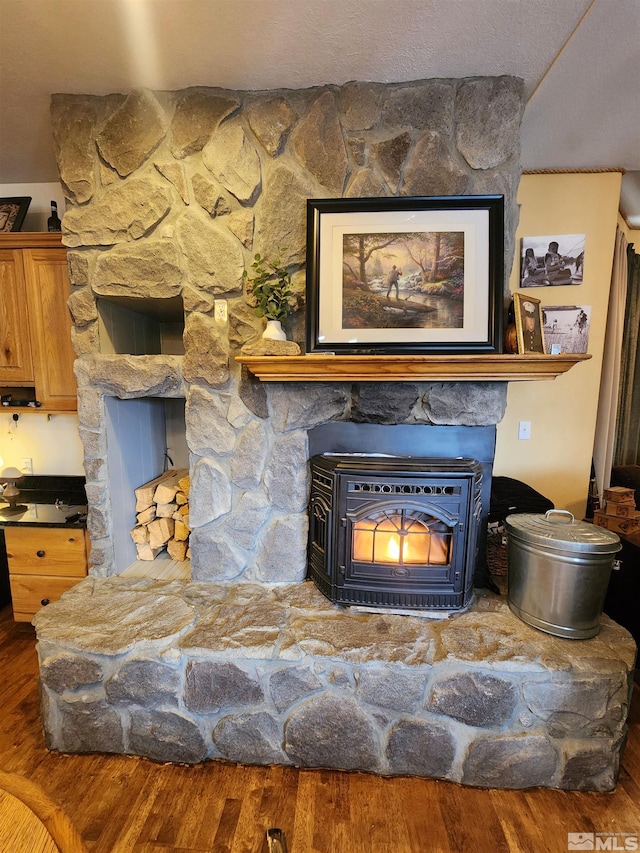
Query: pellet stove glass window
x=403, y=538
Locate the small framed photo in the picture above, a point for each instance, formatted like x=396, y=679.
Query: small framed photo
x=13, y=212
x=405, y=275
x=529, y=325
x=566, y=328
x=552, y=260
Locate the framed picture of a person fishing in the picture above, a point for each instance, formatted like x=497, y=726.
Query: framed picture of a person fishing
x=405, y=275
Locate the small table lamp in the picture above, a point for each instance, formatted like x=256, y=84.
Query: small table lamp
x=11, y=492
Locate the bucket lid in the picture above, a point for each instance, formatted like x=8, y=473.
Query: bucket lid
x=559, y=525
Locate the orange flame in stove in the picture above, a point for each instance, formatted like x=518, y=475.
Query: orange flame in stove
x=383, y=543
x=393, y=550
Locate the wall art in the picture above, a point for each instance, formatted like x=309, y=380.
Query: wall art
x=13, y=212
x=529, y=323
x=405, y=275
x=552, y=261
x=566, y=327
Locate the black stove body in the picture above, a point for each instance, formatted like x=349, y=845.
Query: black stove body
x=395, y=532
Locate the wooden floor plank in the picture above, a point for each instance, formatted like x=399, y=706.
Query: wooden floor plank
x=196, y=827
x=304, y=824
x=521, y=831
x=249, y=833
x=277, y=803
x=459, y=803
x=126, y=804
x=424, y=803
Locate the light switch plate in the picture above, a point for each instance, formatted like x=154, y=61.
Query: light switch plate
x=524, y=430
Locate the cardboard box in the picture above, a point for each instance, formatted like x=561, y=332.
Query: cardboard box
x=621, y=510
x=620, y=494
x=625, y=526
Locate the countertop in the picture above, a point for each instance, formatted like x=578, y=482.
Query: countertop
x=49, y=501
x=44, y=515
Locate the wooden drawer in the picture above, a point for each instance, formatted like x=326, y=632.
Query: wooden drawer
x=28, y=592
x=46, y=551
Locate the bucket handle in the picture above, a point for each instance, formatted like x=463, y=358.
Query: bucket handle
x=566, y=516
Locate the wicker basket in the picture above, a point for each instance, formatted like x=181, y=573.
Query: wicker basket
x=497, y=552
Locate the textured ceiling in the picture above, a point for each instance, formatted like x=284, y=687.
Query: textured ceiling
x=579, y=59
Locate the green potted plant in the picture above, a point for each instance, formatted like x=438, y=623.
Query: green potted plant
x=271, y=288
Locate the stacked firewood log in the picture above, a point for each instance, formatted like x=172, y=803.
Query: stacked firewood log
x=162, y=516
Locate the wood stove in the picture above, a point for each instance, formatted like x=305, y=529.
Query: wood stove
x=394, y=532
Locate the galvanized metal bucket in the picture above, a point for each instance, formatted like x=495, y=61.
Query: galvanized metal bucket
x=558, y=572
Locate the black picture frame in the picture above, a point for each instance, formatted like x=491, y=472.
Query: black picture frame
x=12, y=212
x=350, y=316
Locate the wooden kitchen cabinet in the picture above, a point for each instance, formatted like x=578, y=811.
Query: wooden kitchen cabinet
x=43, y=563
x=35, y=325
x=16, y=364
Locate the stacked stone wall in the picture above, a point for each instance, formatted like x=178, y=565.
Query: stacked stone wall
x=279, y=675
x=172, y=193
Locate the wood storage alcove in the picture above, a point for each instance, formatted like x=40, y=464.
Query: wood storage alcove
x=162, y=519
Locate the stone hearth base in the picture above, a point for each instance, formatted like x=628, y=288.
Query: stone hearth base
x=184, y=672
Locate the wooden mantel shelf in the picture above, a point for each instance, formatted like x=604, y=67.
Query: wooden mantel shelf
x=31, y=240
x=406, y=368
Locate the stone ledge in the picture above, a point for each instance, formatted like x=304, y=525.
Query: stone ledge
x=185, y=672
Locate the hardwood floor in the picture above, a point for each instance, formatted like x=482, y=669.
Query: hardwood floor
x=122, y=804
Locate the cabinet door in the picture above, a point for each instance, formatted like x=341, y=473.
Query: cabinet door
x=15, y=352
x=48, y=289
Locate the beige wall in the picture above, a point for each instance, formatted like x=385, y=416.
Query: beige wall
x=556, y=460
x=51, y=441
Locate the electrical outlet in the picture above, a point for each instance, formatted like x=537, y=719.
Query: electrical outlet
x=524, y=430
x=27, y=465
x=220, y=310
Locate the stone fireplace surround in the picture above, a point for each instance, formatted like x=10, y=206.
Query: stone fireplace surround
x=170, y=194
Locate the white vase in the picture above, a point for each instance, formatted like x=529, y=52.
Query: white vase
x=274, y=331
